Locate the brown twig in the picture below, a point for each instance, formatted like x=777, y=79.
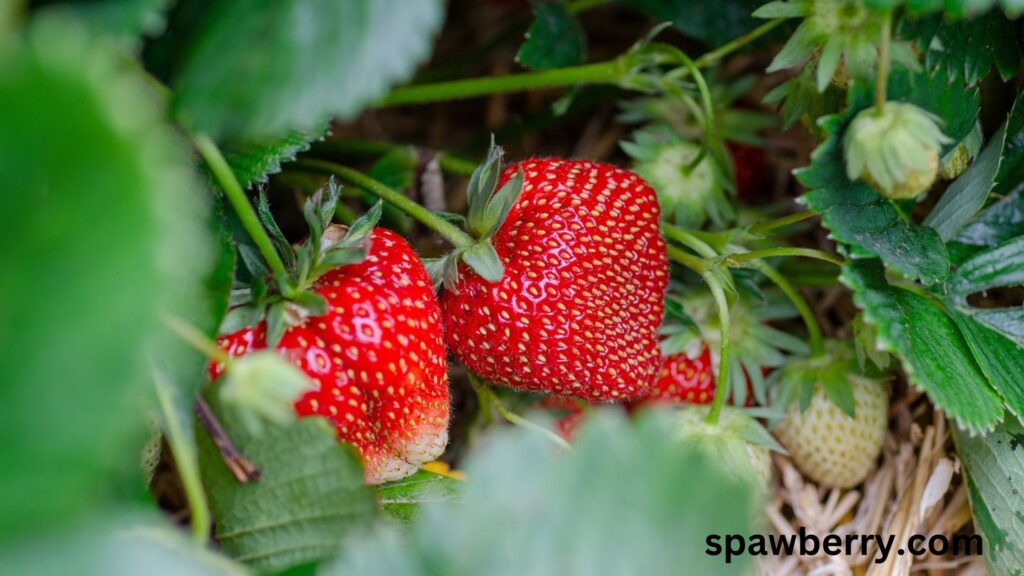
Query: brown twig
x=243, y=470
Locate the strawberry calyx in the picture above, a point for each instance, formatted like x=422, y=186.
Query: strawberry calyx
x=831, y=371
x=488, y=208
x=288, y=300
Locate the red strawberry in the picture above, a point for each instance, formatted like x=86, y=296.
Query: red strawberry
x=748, y=164
x=685, y=379
x=376, y=356
x=579, y=305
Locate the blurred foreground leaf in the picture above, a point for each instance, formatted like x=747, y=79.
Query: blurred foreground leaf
x=103, y=232
x=403, y=499
x=627, y=499
x=254, y=72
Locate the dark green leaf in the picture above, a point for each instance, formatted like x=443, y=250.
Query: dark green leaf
x=713, y=21
x=999, y=358
x=403, y=499
x=310, y=494
x=257, y=73
x=628, y=499
x=968, y=193
x=555, y=40
x=968, y=49
x=1001, y=221
x=103, y=231
x=994, y=465
x=929, y=344
x=253, y=162
x=999, y=266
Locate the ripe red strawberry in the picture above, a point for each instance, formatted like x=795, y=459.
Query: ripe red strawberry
x=376, y=357
x=685, y=379
x=748, y=165
x=578, y=307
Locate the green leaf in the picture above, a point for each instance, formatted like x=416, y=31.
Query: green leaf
x=998, y=267
x=484, y=260
x=554, y=40
x=966, y=196
x=122, y=544
x=1001, y=359
x=257, y=72
x=956, y=49
x=994, y=464
x=1001, y=221
x=104, y=230
x=628, y=499
x=253, y=162
x=929, y=344
x=403, y=499
x=712, y=21
x=309, y=496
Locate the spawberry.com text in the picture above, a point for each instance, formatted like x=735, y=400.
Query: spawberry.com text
x=808, y=544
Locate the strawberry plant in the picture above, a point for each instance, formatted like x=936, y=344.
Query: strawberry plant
x=532, y=287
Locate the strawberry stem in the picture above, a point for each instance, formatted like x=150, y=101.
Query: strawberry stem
x=711, y=58
x=445, y=229
x=743, y=258
x=609, y=72
x=683, y=257
x=882, y=84
x=765, y=226
x=233, y=190
x=722, y=378
x=800, y=303
x=492, y=399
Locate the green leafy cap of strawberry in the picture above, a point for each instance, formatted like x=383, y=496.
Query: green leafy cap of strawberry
x=832, y=371
x=488, y=207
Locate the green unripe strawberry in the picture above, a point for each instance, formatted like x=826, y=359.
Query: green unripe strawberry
x=835, y=431
x=895, y=149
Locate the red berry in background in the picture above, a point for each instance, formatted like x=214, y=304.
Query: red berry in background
x=578, y=309
x=685, y=380
x=748, y=164
x=376, y=357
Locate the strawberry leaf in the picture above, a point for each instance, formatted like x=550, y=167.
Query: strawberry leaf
x=953, y=47
x=105, y=230
x=994, y=463
x=335, y=57
x=403, y=499
x=930, y=345
x=254, y=162
x=652, y=520
x=309, y=497
x=554, y=40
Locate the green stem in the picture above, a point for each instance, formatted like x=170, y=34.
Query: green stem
x=485, y=391
x=722, y=382
x=233, y=190
x=738, y=260
x=688, y=239
x=446, y=229
x=686, y=259
x=577, y=6
x=183, y=451
x=882, y=84
x=724, y=50
x=800, y=303
x=705, y=95
x=766, y=226
x=610, y=72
